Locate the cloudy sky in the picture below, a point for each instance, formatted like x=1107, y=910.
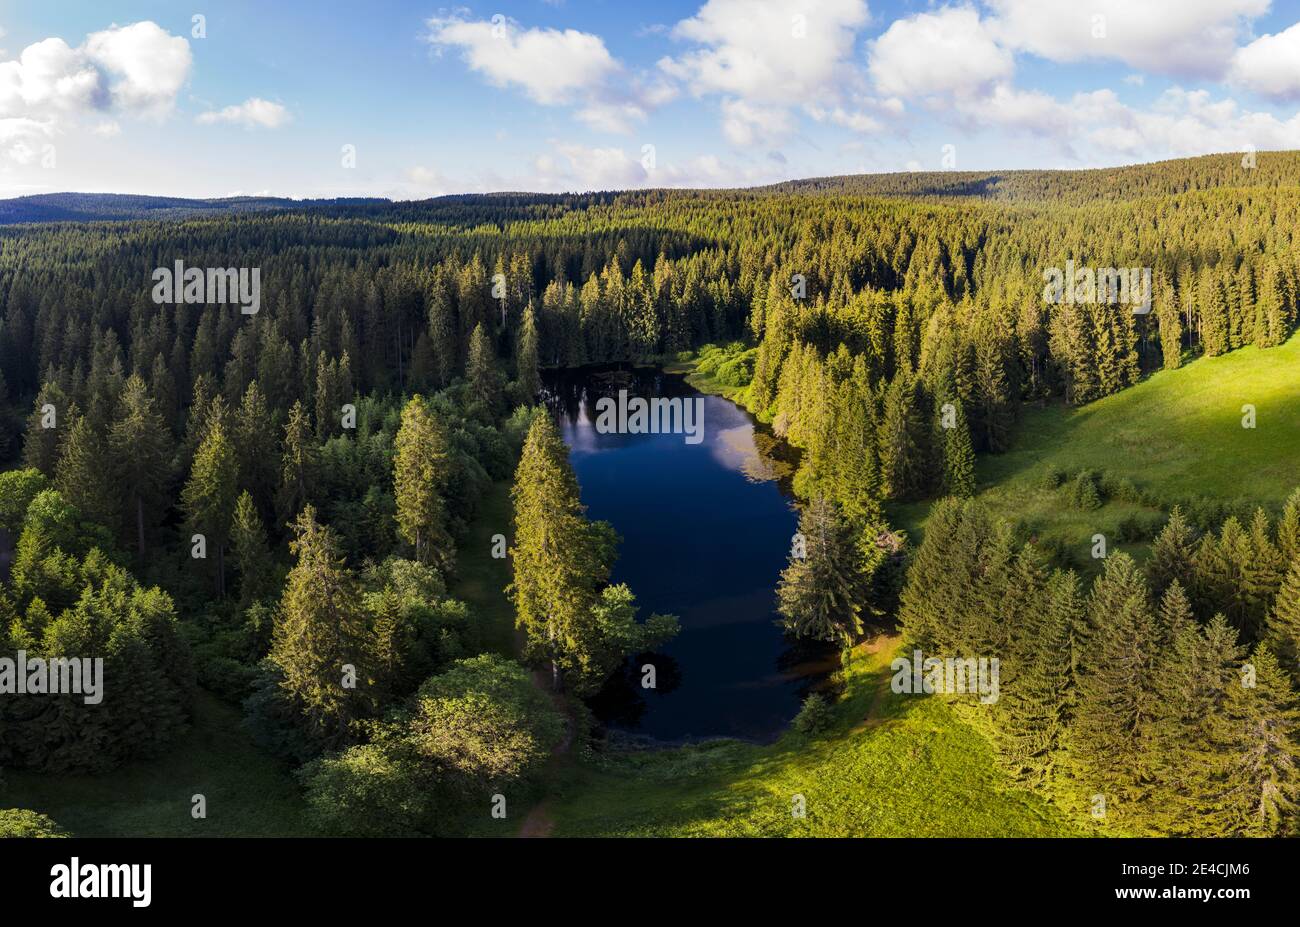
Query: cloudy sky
x=408, y=100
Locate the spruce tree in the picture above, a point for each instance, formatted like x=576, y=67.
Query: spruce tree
x=1172, y=555
x=1256, y=756
x=1197, y=667
x=1111, y=737
x=901, y=460
x=41, y=443
x=420, y=475
x=1264, y=572
x=83, y=475
x=958, y=454
x=1288, y=530
x=1282, y=632
x=141, y=444
x=298, y=464
x=526, y=364
x=256, y=447
x=319, y=638
x=210, y=494
x=252, y=553
x=1035, y=701
x=820, y=594
x=481, y=369
x=922, y=615
x=556, y=556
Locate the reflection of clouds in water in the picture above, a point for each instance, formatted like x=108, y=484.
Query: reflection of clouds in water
x=734, y=449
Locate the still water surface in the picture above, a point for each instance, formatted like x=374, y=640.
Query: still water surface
x=706, y=529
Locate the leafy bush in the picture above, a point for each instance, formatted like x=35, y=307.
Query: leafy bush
x=478, y=726
x=20, y=822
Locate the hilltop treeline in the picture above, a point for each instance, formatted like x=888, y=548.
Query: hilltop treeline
x=1163, y=178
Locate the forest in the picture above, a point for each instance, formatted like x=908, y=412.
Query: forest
x=274, y=510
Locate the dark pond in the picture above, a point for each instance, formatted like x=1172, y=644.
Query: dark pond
x=706, y=529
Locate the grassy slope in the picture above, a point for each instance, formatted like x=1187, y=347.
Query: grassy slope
x=891, y=766
x=1177, y=435
x=248, y=793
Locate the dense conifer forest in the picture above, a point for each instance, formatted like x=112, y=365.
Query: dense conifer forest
x=273, y=508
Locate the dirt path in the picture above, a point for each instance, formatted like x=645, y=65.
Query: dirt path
x=539, y=822
x=872, y=719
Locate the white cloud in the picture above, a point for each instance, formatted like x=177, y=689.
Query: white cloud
x=1096, y=128
x=23, y=127
x=252, y=113
x=422, y=182
x=1190, y=38
x=24, y=138
x=1270, y=65
x=148, y=66
x=855, y=120
x=138, y=69
x=551, y=66
x=592, y=168
x=962, y=68
x=619, y=118
x=21, y=153
x=765, y=57
x=1026, y=110
x=948, y=51
x=768, y=51
x=745, y=124
x=570, y=167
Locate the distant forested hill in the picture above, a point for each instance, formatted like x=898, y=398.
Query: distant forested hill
x=72, y=207
x=1164, y=178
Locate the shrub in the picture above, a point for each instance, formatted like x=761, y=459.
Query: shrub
x=1053, y=478
x=1083, y=493
x=20, y=822
x=815, y=716
x=479, y=725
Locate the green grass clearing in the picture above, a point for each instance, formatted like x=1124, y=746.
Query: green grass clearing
x=1177, y=436
x=248, y=793
x=891, y=766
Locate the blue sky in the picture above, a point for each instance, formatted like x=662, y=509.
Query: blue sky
x=136, y=97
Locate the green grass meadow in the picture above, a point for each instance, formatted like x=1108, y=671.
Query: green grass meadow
x=891, y=766
x=248, y=793
x=1177, y=436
